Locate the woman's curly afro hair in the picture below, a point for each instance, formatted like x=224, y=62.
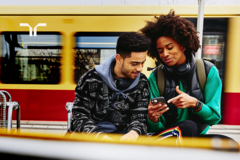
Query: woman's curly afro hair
x=179, y=29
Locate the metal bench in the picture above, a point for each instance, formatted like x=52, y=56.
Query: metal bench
x=6, y=102
x=69, y=106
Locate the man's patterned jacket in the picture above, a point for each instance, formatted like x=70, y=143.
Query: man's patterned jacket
x=126, y=114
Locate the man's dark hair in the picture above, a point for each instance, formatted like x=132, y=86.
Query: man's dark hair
x=132, y=42
x=179, y=29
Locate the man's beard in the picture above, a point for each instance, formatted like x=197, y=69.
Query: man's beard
x=124, y=71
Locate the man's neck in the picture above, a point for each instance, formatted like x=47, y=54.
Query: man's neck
x=117, y=72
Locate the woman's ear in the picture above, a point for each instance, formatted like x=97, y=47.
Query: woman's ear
x=183, y=49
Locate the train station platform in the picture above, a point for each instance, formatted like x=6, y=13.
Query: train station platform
x=60, y=128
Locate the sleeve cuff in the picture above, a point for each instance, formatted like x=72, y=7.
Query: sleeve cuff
x=136, y=130
x=154, y=127
x=203, y=111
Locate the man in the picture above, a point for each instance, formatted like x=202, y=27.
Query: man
x=113, y=97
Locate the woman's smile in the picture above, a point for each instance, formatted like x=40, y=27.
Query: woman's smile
x=168, y=60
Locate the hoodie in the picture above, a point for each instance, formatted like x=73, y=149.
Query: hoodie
x=105, y=71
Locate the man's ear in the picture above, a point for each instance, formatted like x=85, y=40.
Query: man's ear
x=118, y=59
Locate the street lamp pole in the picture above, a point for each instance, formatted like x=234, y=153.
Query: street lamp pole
x=201, y=4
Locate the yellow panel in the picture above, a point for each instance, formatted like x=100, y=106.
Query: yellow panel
x=232, y=69
x=36, y=139
x=210, y=10
x=75, y=23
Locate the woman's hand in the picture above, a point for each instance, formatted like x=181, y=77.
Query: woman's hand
x=183, y=100
x=156, y=110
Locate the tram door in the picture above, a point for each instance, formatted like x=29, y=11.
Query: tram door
x=214, y=43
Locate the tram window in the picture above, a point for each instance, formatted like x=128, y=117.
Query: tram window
x=92, y=49
x=214, y=47
x=30, y=59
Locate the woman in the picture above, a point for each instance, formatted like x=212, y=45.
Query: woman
x=188, y=111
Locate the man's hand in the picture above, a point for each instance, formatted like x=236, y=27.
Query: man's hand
x=156, y=110
x=183, y=100
x=107, y=138
x=130, y=136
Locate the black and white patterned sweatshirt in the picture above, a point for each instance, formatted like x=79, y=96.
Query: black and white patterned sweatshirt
x=129, y=113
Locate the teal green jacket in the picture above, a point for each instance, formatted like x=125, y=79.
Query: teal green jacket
x=210, y=112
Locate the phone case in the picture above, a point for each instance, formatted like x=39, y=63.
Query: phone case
x=157, y=100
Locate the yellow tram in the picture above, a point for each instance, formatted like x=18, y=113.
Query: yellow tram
x=45, y=49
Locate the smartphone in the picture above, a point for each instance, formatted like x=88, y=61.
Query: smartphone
x=158, y=100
